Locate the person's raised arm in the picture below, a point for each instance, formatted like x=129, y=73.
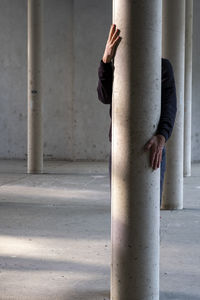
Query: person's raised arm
x=105, y=72
x=111, y=45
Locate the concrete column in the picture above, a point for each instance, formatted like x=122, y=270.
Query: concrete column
x=135, y=187
x=188, y=87
x=35, y=142
x=174, y=49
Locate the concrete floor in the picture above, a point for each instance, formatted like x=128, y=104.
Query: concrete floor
x=55, y=235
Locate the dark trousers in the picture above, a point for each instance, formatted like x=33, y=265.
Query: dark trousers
x=162, y=172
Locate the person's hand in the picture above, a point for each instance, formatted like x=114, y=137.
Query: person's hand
x=112, y=44
x=155, y=145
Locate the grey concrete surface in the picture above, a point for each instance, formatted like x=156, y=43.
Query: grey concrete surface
x=55, y=235
x=75, y=124
x=195, y=83
x=173, y=48
x=188, y=88
x=135, y=189
x=34, y=95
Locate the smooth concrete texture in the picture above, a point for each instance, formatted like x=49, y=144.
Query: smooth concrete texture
x=92, y=20
x=34, y=93
x=13, y=79
x=195, y=83
x=55, y=235
x=173, y=48
x=136, y=110
x=75, y=124
x=188, y=87
x=58, y=78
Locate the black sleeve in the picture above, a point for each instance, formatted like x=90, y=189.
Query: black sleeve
x=168, y=101
x=105, y=82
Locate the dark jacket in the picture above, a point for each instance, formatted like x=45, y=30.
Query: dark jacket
x=168, y=95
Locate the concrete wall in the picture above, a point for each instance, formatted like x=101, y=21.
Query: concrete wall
x=75, y=124
x=58, y=78
x=196, y=84
x=13, y=82
x=92, y=20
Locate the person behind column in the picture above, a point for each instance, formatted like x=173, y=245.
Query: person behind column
x=156, y=144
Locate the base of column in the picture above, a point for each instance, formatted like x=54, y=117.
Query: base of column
x=171, y=207
x=187, y=174
x=35, y=172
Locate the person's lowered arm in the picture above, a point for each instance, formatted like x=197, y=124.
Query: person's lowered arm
x=167, y=118
x=169, y=101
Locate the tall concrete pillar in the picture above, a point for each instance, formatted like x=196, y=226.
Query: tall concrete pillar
x=135, y=187
x=174, y=49
x=188, y=87
x=35, y=141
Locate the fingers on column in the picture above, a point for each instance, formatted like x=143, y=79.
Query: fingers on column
x=112, y=31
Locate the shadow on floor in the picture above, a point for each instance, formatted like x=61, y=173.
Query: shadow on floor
x=88, y=295
x=177, y=296
x=105, y=295
x=35, y=265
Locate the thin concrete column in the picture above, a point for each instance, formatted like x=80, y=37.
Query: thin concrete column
x=188, y=87
x=135, y=187
x=35, y=141
x=174, y=50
